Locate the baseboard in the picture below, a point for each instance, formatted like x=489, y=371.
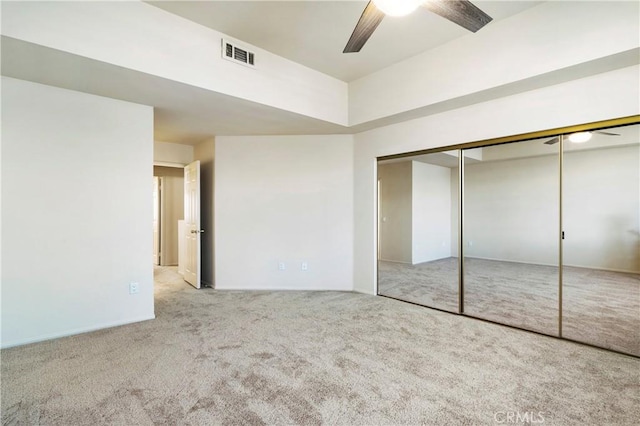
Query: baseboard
x=432, y=260
x=348, y=289
x=509, y=261
x=595, y=268
x=417, y=263
x=396, y=261
x=73, y=332
x=361, y=291
x=168, y=164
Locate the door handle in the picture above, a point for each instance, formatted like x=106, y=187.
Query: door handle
x=195, y=231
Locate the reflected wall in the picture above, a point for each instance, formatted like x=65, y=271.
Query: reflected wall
x=417, y=230
x=511, y=243
x=601, y=220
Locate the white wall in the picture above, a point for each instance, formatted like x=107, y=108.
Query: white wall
x=172, y=154
x=205, y=152
x=431, y=212
x=395, y=211
x=455, y=224
x=175, y=48
x=415, y=212
x=284, y=199
x=510, y=54
x=602, y=208
x=511, y=209
x=574, y=102
x=172, y=210
x=76, y=214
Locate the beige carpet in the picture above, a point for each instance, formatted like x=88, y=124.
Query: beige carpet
x=242, y=358
x=599, y=307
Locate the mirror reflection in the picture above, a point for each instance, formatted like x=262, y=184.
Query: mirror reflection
x=417, y=229
x=550, y=234
x=601, y=220
x=511, y=243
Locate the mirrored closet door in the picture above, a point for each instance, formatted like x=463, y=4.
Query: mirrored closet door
x=601, y=249
x=417, y=229
x=511, y=234
x=541, y=234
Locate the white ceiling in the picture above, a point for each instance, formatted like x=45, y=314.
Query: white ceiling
x=187, y=114
x=314, y=33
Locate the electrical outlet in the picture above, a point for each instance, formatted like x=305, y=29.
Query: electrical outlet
x=134, y=288
x=304, y=266
x=281, y=266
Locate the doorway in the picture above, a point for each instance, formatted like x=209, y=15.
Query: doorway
x=168, y=210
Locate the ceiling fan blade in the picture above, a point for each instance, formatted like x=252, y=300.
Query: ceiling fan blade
x=369, y=21
x=607, y=133
x=553, y=141
x=461, y=12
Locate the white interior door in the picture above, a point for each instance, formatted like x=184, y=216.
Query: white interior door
x=156, y=220
x=192, y=223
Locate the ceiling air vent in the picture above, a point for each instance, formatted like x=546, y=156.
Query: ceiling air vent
x=234, y=53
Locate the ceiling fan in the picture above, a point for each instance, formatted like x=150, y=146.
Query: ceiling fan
x=580, y=137
x=461, y=12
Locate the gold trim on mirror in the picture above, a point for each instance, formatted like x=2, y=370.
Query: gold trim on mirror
x=596, y=125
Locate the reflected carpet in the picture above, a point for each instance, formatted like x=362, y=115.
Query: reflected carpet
x=599, y=307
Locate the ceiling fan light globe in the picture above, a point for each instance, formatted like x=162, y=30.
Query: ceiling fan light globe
x=580, y=137
x=397, y=7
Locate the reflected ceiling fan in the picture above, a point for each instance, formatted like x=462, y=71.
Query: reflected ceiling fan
x=461, y=12
x=580, y=137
